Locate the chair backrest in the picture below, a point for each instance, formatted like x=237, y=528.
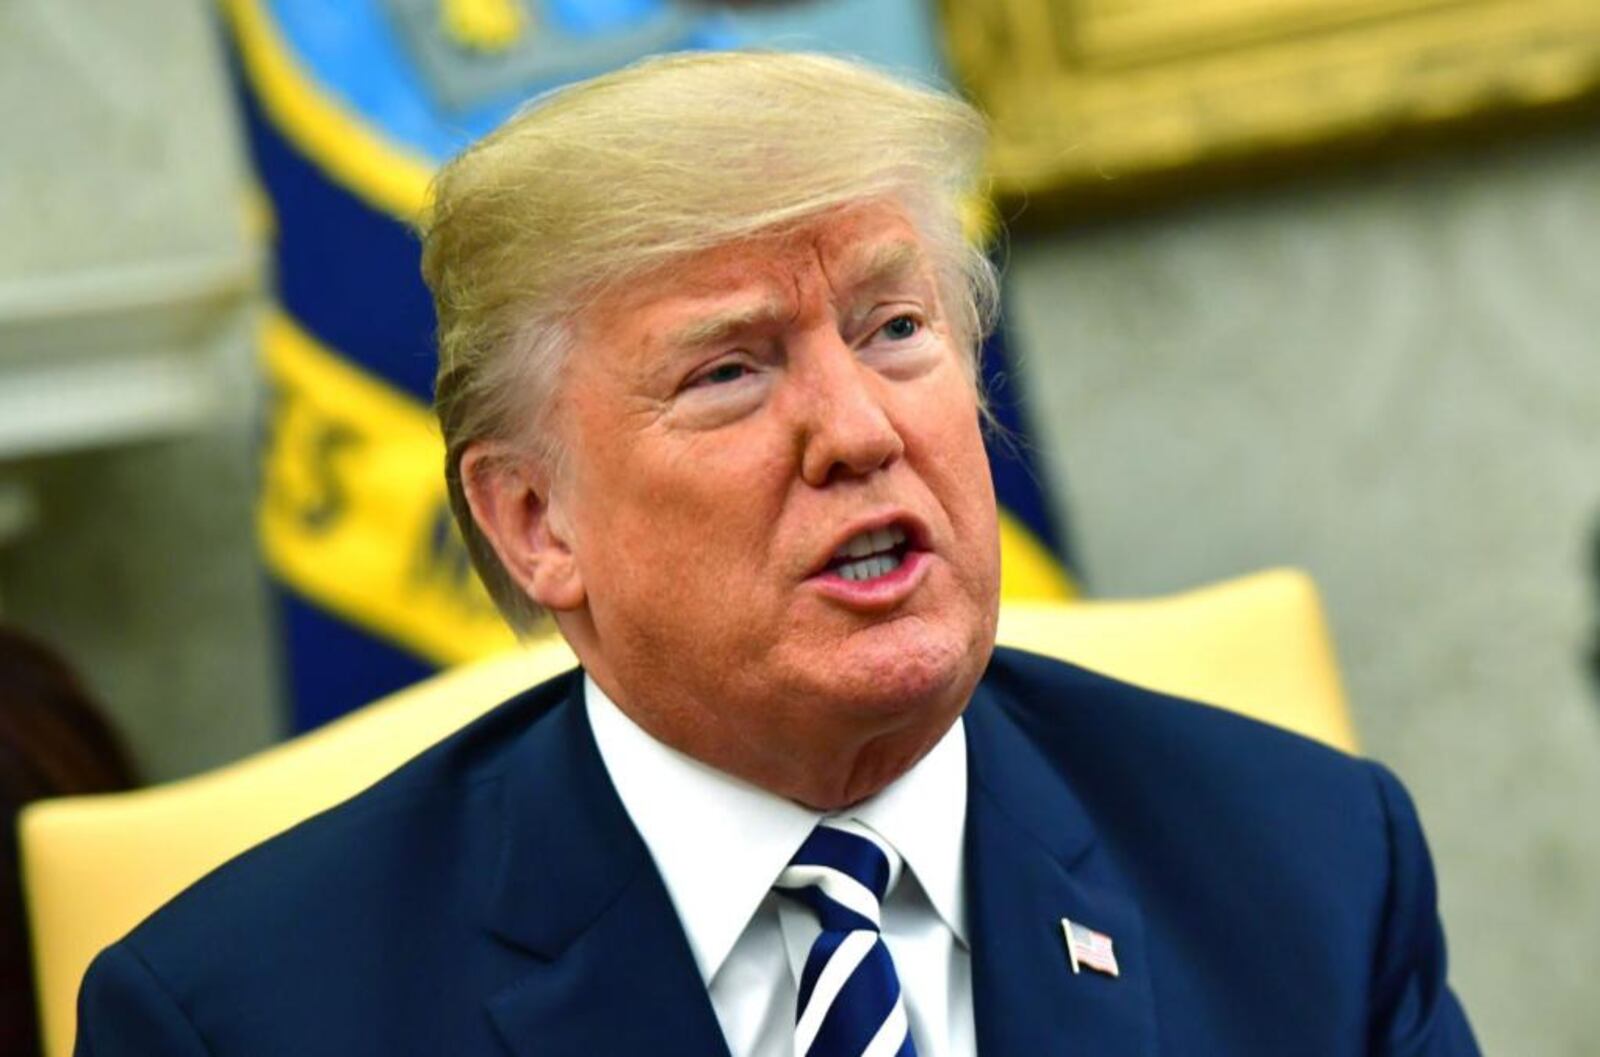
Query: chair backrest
x=95, y=866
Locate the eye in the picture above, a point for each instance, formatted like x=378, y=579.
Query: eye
x=900, y=328
x=721, y=374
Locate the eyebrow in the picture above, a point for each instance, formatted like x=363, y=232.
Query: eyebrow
x=882, y=265
x=719, y=327
x=885, y=264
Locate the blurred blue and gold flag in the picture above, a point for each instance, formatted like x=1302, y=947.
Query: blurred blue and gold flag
x=349, y=108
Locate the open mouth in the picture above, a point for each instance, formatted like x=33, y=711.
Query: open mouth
x=871, y=554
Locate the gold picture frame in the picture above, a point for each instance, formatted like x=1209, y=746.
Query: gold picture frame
x=1091, y=98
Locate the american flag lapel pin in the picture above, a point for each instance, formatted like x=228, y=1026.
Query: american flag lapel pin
x=1089, y=949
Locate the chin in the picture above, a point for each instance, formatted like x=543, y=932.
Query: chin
x=891, y=671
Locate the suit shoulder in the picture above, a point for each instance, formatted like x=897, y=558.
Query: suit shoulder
x=1058, y=701
x=343, y=863
x=1175, y=786
x=1234, y=836
x=1132, y=753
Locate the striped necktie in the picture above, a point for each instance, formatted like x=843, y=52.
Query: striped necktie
x=849, y=1003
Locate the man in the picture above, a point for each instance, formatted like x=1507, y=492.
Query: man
x=707, y=387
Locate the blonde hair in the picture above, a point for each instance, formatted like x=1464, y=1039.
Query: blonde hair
x=598, y=181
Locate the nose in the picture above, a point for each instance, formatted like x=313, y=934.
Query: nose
x=846, y=430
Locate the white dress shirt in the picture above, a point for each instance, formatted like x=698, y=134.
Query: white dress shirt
x=719, y=843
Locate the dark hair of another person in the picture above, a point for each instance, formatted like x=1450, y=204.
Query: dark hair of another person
x=53, y=742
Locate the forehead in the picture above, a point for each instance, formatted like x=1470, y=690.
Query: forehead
x=841, y=249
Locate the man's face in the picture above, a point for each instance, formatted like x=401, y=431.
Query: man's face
x=779, y=504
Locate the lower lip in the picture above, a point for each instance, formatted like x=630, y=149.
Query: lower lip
x=881, y=592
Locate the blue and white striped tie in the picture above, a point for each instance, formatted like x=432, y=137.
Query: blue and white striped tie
x=849, y=1003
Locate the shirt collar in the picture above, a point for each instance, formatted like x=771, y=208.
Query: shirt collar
x=719, y=842
x=923, y=815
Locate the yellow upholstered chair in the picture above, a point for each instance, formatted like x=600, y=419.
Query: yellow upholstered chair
x=94, y=866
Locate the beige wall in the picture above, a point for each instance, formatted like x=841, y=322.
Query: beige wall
x=1391, y=378
x=121, y=186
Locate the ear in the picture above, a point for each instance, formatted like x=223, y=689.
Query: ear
x=510, y=497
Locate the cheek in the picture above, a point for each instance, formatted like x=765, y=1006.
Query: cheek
x=958, y=473
x=975, y=519
x=955, y=448
x=699, y=517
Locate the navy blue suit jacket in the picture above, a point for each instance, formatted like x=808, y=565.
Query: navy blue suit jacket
x=1266, y=896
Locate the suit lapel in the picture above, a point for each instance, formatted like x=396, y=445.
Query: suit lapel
x=576, y=888
x=1031, y=860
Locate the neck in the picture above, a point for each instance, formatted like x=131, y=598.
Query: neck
x=822, y=770
x=817, y=746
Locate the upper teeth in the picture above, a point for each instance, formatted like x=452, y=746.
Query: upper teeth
x=873, y=542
